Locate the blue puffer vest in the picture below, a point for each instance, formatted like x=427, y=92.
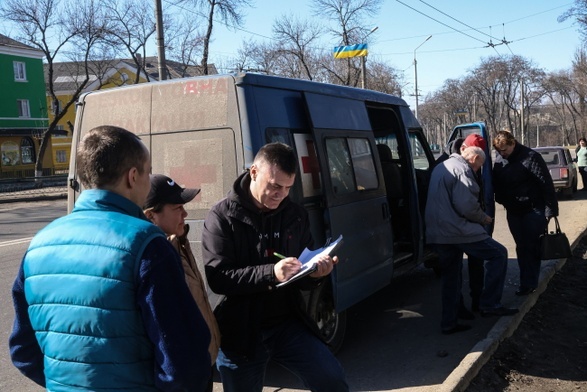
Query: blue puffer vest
x=81, y=276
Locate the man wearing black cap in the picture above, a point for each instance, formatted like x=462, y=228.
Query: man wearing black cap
x=164, y=207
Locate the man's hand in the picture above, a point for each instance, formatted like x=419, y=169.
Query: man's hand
x=325, y=265
x=286, y=268
x=487, y=220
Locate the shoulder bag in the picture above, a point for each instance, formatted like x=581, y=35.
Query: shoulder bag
x=554, y=245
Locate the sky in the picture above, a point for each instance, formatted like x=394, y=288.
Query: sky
x=461, y=30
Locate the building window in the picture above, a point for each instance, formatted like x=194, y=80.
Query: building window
x=27, y=150
x=19, y=71
x=10, y=154
x=56, y=106
x=61, y=156
x=23, y=108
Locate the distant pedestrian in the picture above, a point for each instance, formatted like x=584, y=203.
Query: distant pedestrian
x=524, y=186
x=581, y=160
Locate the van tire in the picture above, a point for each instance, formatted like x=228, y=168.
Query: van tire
x=332, y=325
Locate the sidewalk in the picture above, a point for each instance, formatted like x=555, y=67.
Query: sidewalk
x=13, y=193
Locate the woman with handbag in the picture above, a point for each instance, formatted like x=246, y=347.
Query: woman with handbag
x=523, y=185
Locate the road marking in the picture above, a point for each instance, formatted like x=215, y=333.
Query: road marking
x=15, y=242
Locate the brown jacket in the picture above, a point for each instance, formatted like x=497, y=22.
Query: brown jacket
x=197, y=287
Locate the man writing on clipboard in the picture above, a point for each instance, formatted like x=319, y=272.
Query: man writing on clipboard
x=257, y=320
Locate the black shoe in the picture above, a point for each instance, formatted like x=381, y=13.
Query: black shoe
x=464, y=314
x=457, y=328
x=498, y=312
x=521, y=292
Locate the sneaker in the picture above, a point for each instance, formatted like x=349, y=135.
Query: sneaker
x=498, y=312
x=522, y=291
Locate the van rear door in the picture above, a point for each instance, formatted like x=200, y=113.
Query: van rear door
x=356, y=204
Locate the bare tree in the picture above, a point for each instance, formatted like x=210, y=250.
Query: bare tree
x=131, y=24
x=384, y=78
x=52, y=26
x=231, y=13
x=349, y=26
x=296, y=40
x=184, y=43
x=257, y=57
x=578, y=12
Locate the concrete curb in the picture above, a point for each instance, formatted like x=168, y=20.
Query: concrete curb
x=33, y=195
x=469, y=367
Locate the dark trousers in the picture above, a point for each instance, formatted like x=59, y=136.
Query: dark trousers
x=293, y=346
x=583, y=172
x=476, y=271
x=495, y=267
x=526, y=230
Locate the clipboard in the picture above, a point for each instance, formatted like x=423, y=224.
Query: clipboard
x=309, y=258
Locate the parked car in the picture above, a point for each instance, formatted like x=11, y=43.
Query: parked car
x=562, y=168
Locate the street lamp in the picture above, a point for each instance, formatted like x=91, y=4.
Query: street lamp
x=363, y=60
x=416, y=72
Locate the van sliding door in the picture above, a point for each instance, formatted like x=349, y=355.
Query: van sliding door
x=355, y=201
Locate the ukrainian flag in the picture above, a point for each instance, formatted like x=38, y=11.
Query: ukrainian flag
x=342, y=52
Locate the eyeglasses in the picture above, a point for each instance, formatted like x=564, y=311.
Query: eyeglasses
x=501, y=149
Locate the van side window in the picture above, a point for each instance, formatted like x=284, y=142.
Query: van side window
x=350, y=164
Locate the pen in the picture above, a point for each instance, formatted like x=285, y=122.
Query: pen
x=279, y=255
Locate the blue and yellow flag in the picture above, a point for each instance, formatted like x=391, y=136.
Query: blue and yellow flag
x=342, y=52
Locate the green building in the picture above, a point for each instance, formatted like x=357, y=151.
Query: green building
x=23, y=108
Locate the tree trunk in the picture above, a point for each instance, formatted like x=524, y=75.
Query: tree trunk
x=207, y=38
x=41, y=154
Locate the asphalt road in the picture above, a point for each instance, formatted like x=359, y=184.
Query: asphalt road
x=393, y=339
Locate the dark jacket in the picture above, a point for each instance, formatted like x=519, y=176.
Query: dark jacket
x=238, y=241
x=523, y=182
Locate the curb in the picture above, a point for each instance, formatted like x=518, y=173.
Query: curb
x=460, y=378
x=33, y=195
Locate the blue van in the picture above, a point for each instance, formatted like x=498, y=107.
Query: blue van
x=364, y=164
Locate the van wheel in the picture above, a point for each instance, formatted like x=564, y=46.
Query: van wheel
x=575, y=185
x=332, y=325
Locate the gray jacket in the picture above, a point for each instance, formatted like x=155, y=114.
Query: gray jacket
x=453, y=214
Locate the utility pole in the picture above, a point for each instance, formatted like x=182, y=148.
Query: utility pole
x=522, y=109
x=160, y=42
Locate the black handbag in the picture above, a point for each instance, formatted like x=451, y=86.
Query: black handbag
x=554, y=245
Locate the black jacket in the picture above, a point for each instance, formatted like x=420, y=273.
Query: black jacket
x=238, y=241
x=523, y=182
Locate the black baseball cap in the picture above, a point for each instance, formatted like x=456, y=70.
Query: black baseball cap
x=166, y=191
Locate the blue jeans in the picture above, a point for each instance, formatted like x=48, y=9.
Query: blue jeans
x=495, y=258
x=292, y=345
x=526, y=230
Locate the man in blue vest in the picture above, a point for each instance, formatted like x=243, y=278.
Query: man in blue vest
x=100, y=299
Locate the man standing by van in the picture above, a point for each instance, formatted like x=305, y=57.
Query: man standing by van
x=100, y=299
x=454, y=223
x=259, y=321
